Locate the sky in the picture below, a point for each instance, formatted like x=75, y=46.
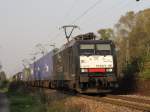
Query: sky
x=26, y=23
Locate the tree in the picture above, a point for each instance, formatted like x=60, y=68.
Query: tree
x=106, y=34
x=2, y=76
x=122, y=30
x=133, y=37
x=125, y=24
x=140, y=35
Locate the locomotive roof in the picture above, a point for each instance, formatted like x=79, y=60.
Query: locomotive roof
x=85, y=38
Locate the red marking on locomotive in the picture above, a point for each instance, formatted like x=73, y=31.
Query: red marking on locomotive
x=102, y=70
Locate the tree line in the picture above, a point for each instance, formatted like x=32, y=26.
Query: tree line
x=131, y=35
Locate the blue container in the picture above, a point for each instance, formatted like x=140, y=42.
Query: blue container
x=42, y=68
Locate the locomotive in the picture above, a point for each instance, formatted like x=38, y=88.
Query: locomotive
x=84, y=64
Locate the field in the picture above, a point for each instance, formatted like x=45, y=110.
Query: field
x=23, y=99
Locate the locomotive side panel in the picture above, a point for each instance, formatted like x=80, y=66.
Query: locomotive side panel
x=69, y=66
x=64, y=68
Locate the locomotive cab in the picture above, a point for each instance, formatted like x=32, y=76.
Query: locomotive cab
x=97, y=66
x=85, y=65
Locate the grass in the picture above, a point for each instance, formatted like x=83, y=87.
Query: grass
x=23, y=100
x=20, y=102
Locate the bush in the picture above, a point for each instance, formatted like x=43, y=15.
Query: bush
x=3, y=84
x=128, y=82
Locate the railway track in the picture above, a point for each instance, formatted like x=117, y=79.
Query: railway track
x=132, y=99
x=120, y=100
x=133, y=103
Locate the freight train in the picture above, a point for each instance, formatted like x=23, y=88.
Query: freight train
x=84, y=64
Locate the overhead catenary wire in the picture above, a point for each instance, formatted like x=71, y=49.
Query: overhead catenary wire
x=70, y=9
x=65, y=16
x=89, y=9
x=109, y=9
x=124, y=4
x=80, y=16
x=86, y=11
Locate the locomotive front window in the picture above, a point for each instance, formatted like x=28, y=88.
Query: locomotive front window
x=87, y=46
x=87, y=49
x=103, y=47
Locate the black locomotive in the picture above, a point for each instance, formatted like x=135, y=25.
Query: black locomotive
x=84, y=64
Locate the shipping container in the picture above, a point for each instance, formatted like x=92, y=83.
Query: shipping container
x=42, y=69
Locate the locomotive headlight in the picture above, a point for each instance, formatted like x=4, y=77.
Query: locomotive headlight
x=84, y=70
x=109, y=70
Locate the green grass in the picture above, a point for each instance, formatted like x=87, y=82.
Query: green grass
x=23, y=100
x=20, y=102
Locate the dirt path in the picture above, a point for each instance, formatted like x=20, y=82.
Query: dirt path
x=4, y=105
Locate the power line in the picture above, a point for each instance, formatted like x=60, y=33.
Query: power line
x=87, y=10
x=68, y=13
x=109, y=10
x=84, y=13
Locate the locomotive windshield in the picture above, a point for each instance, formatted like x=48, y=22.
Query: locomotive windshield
x=87, y=49
x=87, y=46
x=99, y=49
x=103, y=47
